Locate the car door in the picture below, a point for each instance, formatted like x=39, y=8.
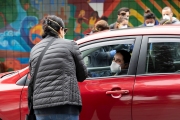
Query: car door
x=10, y=94
x=104, y=96
x=157, y=87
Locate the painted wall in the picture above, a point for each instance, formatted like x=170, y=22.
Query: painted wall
x=20, y=27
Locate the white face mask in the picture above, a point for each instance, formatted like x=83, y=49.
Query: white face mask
x=125, y=26
x=150, y=24
x=115, y=68
x=166, y=17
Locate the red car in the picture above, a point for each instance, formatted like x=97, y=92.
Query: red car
x=149, y=90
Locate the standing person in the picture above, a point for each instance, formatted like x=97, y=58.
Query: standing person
x=56, y=95
x=168, y=14
x=101, y=25
x=122, y=12
x=149, y=19
x=122, y=22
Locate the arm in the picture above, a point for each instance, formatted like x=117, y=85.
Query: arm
x=104, y=55
x=81, y=71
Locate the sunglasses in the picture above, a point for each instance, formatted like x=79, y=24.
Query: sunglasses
x=122, y=13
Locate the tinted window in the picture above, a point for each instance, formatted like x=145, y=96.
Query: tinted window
x=163, y=56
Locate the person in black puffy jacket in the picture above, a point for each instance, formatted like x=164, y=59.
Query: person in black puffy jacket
x=56, y=93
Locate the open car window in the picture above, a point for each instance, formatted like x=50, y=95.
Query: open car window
x=99, y=59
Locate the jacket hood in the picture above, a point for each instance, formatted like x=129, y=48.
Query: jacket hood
x=175, y=20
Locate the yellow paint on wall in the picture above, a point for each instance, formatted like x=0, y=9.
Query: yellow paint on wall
x=141, y=4
x=137, y=15
x=130, y=24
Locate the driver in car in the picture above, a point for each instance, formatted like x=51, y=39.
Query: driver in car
x=120, y=63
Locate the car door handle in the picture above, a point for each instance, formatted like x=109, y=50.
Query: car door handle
x=120, y=92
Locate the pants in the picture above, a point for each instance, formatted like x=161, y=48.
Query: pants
x=57, y=117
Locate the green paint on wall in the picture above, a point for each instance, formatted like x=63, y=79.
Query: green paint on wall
x=152, y=8
x=70, y=26
x=2, y=59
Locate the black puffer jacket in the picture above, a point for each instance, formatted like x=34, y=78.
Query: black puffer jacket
x=59, y=72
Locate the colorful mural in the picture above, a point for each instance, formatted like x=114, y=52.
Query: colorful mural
x=20, y=27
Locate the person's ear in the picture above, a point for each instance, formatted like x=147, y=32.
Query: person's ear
x=61, y=31
x=61, y=34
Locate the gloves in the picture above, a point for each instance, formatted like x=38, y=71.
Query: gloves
x=112, y=53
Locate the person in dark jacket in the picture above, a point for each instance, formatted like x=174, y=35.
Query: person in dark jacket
x=101, y=57
x=56, y=94
x=149, y=19
x=122, y=12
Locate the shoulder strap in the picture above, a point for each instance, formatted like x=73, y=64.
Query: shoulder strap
x=39, y=60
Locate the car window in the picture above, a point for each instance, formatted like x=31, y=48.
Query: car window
x=105, y=60
x=163, y=56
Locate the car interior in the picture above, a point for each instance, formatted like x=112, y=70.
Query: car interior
x=98, y=64
x=163, y=58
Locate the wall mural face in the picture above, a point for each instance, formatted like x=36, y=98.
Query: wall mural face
x=20, y=21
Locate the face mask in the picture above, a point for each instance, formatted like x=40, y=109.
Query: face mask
x=115, y=68
x=150, y=24
x=166, y=17
x=125, y=26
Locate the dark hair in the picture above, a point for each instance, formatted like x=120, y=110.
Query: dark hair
x=149, y=15
x=51, y=25
x=164, y=22
x=125, y=9
x=119, y=21
x=126, y=55
x=100, y=26
x=95, y=12
x=104, y=18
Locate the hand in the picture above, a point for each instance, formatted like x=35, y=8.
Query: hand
x=112, y=53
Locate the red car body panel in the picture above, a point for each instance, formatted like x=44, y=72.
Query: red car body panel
x=150, y=97
x=156, y=97
x=10, y=95
x=98, y=105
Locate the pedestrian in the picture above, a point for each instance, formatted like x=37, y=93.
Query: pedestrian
x=168, y=14
x=101, y=25
x=56, y=95
x=149, y=19
x=122, y=22
x=122, y=12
